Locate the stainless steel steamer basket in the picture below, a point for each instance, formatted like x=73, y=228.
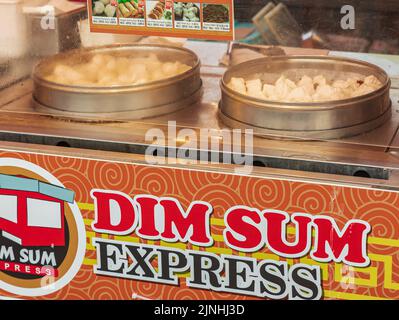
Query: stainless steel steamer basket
x=324, y=120
x=127, y=102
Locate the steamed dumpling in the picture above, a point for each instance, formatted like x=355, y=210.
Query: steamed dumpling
x=238, y=84
x=307, y=89
x=307, y=84
x=283, y=88
x=299, y=94
x=254, y=88
x=108, y=70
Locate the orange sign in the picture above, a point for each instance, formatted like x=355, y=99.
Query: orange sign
x=95, y=229
x=204, y=19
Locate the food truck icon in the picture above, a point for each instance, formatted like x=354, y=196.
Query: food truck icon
x=32, y=211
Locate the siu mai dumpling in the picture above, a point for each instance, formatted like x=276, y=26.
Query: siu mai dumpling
x=238, y=84
x=299, y=94
x=307, y=84
x=254, y=88
x=283, y=88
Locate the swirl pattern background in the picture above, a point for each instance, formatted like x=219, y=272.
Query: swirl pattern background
x=379, y=208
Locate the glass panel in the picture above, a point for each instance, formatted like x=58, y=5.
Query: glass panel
x=9, y=208
x=45, y=214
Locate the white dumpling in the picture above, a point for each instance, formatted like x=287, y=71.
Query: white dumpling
x=283, y=88
x=69, y=74
x=254, y=88
x=269, y=91
x=327, y=93
x=108, y=79
x=340, y=84
x=299, y=94
x=290, y=84
x=307, y=89
x=140, y=73
x=373, y=82
x=319, y=81
x=307, y=84
x=109, y=70
x=238, y=84
x=353, y=83
x=170, y=69
x=111, y=65
x=363, y=90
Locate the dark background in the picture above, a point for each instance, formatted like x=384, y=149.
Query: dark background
x=377, y=21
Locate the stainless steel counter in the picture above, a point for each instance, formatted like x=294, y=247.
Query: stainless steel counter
x=371, y=159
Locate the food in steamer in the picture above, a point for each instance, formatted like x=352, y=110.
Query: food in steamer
x=105, y=70
x=307, y=89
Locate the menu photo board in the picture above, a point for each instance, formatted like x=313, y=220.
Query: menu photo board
x=203, y=19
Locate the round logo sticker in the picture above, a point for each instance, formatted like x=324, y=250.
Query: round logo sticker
x=42, y=233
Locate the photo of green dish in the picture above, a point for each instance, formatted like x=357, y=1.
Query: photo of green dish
x=187, y=11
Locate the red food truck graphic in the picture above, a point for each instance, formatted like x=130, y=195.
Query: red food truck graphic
x=32, y=211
